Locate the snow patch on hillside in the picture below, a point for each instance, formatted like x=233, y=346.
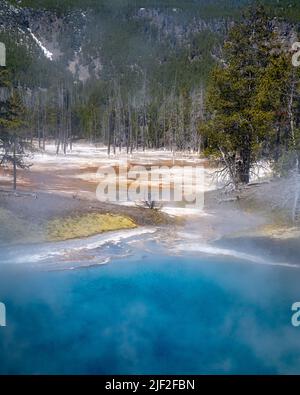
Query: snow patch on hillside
x=46, y=52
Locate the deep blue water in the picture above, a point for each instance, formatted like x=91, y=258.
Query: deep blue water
x=151, y=314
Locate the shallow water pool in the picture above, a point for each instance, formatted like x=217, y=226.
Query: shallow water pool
x=150, y=313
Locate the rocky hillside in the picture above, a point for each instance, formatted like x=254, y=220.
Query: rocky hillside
x=87, y=42
x=100, y=39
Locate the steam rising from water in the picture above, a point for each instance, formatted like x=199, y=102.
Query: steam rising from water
x=101, y=249
x=211, y=250
x=91, y=251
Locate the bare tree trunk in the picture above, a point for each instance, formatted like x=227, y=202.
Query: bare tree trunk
x=109, y=133
x=296, y=208
x=296, y=205
x=129, y=128
x=14, y=166
x=292, y=120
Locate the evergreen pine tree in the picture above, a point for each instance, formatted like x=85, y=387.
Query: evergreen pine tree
x=12, y=142
x=238, y=122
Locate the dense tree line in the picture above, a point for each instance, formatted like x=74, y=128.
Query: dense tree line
x=245, y=111
x=115, y=118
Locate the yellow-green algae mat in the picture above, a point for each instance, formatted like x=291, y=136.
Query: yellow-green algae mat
x=86, y=225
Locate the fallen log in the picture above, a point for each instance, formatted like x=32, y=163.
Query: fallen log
x=257, y=183
x=19, y=193
x=228, y=200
